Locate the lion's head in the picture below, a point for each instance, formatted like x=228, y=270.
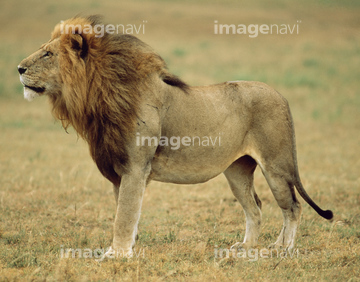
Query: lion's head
x=80, y=71
x=39, y=73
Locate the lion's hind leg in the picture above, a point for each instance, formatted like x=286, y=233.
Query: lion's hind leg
x=282, y=187
x=240, y=176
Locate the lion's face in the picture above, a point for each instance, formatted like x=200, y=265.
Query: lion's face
x=39, y=73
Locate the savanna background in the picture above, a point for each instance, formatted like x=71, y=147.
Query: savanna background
x=53, y=197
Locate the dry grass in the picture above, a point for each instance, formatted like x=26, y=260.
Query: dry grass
x=52, y=197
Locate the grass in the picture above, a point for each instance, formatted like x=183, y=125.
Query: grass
x=53, y=198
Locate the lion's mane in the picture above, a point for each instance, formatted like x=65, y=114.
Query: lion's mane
x=102, y=78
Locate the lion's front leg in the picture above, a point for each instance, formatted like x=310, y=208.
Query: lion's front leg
x=128, y=211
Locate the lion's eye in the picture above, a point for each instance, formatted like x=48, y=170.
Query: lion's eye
x=47, y=54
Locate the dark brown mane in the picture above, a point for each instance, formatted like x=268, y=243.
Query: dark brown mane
x=102, y=78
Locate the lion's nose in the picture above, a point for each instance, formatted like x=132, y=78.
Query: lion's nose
x=21, y=70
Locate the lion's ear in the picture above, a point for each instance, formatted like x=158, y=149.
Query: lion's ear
x=78, y=44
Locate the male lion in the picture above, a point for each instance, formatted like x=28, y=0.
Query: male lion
x=114, y=88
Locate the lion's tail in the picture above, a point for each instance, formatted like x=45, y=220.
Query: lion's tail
x=328, y=214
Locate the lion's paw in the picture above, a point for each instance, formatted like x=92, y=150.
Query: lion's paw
x=280, y=247
x=114, y=254
x=239, y=245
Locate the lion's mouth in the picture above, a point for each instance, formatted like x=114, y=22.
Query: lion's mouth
x=35, y=89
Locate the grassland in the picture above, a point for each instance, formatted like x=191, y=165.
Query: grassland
x=52, y=197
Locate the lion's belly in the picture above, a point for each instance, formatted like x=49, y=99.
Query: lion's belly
x=192, y=165
x=185, y=174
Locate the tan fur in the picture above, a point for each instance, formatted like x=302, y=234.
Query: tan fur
x=115, y=88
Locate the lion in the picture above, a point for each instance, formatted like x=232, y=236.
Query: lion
x=114, y=89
